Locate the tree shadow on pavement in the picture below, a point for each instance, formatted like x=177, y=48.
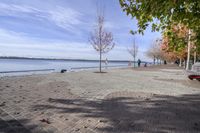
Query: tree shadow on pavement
x=8, y=124
x=157, y=113
x=14, y=126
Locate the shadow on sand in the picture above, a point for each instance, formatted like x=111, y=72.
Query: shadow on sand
x=103, y=72
x=15, y=126
x=158, y=113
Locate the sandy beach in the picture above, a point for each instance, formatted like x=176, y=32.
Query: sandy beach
x=142, y=100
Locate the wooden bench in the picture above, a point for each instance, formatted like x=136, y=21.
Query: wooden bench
x=195, y=72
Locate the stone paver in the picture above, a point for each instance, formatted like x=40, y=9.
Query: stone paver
x=120, y=101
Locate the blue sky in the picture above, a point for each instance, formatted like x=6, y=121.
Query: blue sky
x=61, y=28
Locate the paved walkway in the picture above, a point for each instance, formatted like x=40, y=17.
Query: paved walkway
x=120, y=101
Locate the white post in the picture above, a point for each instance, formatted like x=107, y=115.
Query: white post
x=188, y=51
x=180, y=62
x=195, y=57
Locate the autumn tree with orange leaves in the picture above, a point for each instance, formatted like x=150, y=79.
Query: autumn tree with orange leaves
x=175, y=42
x=172, y=17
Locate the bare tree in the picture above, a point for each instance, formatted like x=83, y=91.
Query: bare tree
x=101, y=40
x=133, y=50
x=155, y=51
x=150, y=53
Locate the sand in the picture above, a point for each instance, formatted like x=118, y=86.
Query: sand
x=152, y=99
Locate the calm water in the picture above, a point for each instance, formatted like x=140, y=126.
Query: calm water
x=29, y=64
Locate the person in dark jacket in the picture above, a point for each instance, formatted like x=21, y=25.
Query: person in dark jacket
x=139, y=62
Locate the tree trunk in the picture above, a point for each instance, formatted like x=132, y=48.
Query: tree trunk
x=188, y=51
x=134, y=62
x=185, y=63
x=100, y=53
x=180, y=62
x=154, y=60
x=100, y=50
x=195, y=57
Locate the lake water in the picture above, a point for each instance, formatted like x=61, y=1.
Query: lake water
x=7, y=65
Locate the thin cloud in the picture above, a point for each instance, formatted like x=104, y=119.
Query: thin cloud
x=61, y=30
x=65, y=18
x=24, y=46
x=15, y=44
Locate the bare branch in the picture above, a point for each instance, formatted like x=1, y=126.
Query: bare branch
x=155, y=51
x=100, y=39
x=133, y=50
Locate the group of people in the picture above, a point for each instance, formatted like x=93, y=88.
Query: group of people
x=138, y=62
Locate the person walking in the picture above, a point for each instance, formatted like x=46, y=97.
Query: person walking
x=129, y=64
x=139, y=62
x=145, y=64
x=106, y=63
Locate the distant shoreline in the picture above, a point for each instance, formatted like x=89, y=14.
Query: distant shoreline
x=29, y=58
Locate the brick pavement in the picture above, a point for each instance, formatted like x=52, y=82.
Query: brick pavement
x=40, y=104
